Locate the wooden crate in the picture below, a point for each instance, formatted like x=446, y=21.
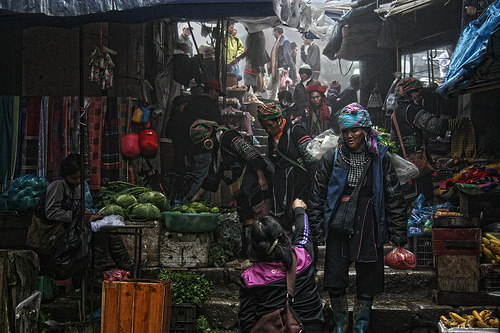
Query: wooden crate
x=447, y=241
x=459, y=273
x=136, y=306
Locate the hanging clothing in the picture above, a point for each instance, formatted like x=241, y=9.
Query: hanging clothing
x=95, y=114
x=6, y=128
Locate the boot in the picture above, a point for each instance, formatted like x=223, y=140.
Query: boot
x=340, y=313
x=361, y=315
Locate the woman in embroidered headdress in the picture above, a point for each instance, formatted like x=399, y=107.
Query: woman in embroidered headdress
x=318, y=113
x=239, y=165
x=413, y=124
x=263, y=286
x=356, y=205
x=294, y=166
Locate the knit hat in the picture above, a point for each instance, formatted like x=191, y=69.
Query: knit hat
x=354, y=115
x=201, y=130
x=407, y=85
x=269, y=111
x=316, y=87
x=306, y=69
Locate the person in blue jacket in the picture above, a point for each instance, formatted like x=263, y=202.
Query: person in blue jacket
x=263, y=286
x=356, y=204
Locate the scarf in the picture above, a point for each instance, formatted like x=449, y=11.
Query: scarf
x=354, y=115
x=274, y=58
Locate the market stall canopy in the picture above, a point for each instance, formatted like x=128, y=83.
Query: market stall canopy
x=402, y=6
x=19, y=14
x=475, y=64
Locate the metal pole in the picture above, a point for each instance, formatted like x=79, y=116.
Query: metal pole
x=83, y=124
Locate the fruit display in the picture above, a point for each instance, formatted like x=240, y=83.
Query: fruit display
x=483, y=319
x=196, y=207
x=491, y=248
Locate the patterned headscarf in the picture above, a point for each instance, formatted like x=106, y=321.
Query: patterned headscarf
x=269, y=111
x=201, y=130
x=405, y=86
x=354, y=115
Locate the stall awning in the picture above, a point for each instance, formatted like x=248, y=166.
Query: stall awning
x=19, y=14
x=403, y=6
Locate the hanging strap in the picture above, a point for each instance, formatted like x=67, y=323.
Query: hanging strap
x=287, y=158
x=290, y=278
x=394, y=120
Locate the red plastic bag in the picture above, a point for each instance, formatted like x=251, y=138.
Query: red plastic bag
x=130, y=145
x=116, y=275
x=148, y=143
x=400, y=258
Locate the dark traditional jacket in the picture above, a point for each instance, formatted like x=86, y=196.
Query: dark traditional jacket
x=389, y=206
x=414, y=122
x=237, y=156
x=291, y=179
x=263, y=286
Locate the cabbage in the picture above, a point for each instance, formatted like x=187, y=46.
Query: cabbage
x=112, y=209
x=156, y=198
x=147, y=197
x=144, y=212
x=125, y=200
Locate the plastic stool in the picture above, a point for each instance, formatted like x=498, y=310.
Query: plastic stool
x=67, y=284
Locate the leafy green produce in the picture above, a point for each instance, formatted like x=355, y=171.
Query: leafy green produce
x=144, y=212
x=221, y=250
x=386, y=139
x=196, y=207
x=112, y=209
x=156, y=198
x=188, y=287
x=125, y=200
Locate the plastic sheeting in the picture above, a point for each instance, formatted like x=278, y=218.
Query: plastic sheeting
x=471, y=49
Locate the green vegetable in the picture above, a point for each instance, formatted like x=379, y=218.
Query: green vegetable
x=125, y=200
x=221, y=250
x=214, y=210
x=144, y=212
x=112, y=209
x=188, y=287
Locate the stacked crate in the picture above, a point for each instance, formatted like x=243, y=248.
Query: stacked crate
x=456, y=243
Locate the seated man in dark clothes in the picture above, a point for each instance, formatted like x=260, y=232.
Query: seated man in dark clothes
x=337, y=100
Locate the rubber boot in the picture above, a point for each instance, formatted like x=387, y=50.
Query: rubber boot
x=362, y=310
x=340, y=313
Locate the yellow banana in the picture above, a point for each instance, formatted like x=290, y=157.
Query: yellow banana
x=490, y=236
x=494, y=248
x=456, y=317
x=445, y=321
x=495, y=263
x=470, y=322
x=477, y=315
x=485, y=240
x=485, y=315
x=453, y=323
x=487, y=252
x=482, y=324
x=493, y=322
x=495, y=241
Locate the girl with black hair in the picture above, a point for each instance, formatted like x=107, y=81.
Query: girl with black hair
x=263, y=286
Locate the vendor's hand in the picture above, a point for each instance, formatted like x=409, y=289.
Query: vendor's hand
x=87, y=215
x=195, y=197
x=262, y=180
x=302, y=47
x=299, y=203
x=234, y=62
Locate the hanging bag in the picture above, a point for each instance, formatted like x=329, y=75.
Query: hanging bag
x=283, y=320
x=418, y=158
x=43, y=234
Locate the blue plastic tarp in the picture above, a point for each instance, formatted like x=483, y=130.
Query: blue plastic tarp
x=471, y=49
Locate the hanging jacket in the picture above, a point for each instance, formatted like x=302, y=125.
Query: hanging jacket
x=328, y=186
x=234, y=48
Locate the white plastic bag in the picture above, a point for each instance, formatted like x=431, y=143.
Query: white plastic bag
x=320, y=144
x=110, y=220
x=405, y=170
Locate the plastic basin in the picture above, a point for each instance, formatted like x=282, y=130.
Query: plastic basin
x=188, y=222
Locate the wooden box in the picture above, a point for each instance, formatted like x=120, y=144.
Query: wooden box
x=184, y=249
x=457, y=273
x=456, y=241
x=136, y=306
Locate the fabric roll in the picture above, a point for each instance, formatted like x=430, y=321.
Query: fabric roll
x=30, y=148
x=21, y=133
x=15, y=135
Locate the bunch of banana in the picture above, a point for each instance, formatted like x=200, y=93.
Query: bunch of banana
x=491, y=248
x=483, y=319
